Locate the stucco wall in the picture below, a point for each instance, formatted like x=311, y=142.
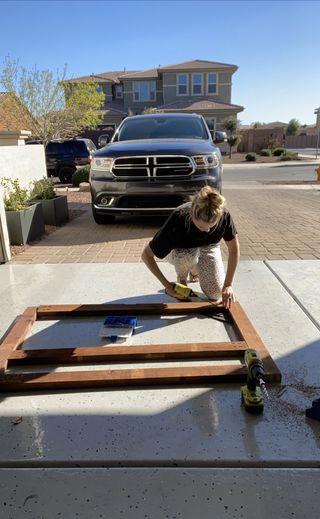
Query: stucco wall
x=138, y=106
x=170, y=81
x=4, y=238
x=27, y=163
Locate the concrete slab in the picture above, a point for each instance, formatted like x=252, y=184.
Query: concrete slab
x=201, y=431
x=302, y=281
x=159, y=493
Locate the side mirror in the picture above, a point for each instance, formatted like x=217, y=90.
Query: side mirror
x=220, y=137
x=103, y=140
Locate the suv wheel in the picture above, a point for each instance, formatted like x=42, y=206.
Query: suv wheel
x=65, y=174
x=102, y=218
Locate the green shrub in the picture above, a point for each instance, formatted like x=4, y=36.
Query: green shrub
x=266, y=152
x=15, y=198
x=43, y=189
x=290, y=156
x=279, y=151
x=81, y=175
x=251, y=157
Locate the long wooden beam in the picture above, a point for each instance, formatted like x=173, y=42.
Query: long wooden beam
x=181, y=308
x=124, y=377
x=195, y=350
x=16, y=335
x=247, y=332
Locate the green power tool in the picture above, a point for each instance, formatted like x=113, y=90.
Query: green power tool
x=183, y=290
x=252, y=393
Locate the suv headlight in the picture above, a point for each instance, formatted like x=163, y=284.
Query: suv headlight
x=102, y=163
x=206, y=161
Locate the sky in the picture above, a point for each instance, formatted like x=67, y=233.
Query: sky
x=275, y=44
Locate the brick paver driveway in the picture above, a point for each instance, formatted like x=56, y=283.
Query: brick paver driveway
x=272, y=222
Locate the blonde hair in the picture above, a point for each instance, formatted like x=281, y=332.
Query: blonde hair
x=207, y=205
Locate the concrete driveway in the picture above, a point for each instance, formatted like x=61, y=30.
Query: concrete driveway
x=180, y=451
x=274, y=221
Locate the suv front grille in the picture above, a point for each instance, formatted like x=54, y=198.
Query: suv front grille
x=153, y=166
x=151, y=202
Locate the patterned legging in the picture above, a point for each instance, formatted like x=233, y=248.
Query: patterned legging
x=207, y=261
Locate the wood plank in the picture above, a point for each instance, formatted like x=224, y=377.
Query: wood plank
x=17, y=335
x=247, y=332
x=129, y=353
x=125, y=377
x=54, y=311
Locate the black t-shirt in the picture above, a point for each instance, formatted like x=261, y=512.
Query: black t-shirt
x=179, y=232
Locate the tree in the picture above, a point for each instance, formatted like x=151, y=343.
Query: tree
x=257, y=124
x=231, y=125
x=58, y=109
x=293, y=127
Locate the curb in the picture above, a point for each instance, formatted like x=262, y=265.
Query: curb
x=269, y=164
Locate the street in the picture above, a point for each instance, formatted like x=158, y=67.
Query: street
x=274, y=172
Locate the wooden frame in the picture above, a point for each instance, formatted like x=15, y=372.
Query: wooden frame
x=10, y=354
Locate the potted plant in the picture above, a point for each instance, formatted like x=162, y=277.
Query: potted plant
x=55, y=207
x=25, y=223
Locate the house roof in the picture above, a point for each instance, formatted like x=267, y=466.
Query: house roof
x=198, y=64
x=103, y=77
x=13, y=114
x=142, y=74
x=153, y=73
x=264, y=126
x=274, y=124
x=113, y=107
x=200, y=104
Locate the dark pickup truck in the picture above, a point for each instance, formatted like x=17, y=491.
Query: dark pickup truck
x=154, y=163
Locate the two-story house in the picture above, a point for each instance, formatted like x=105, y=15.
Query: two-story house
x=198, y=86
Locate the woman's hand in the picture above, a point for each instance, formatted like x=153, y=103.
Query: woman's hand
x=227, y=296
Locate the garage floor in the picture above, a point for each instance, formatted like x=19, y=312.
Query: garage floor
x=165, y=452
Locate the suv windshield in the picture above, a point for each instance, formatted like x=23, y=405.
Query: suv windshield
x=161, y=128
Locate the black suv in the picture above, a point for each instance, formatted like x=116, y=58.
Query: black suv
x=63, y=157
x=154, y=163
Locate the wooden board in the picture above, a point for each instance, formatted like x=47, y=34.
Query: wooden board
x=48, y=379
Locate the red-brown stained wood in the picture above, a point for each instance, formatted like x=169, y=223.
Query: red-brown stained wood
x=52, y=311
x=125, y=377
x=247, y=332
x=195, y=350
x=17, y=335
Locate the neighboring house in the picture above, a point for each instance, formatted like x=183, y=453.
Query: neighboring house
x=274, y=134
x=309, y=129
x=202, y=87
x=256, y=138
x=13, y=115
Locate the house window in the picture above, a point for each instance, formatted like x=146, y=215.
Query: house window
x=196, y=84
x=144, y=90
x=119, y=91
x=212, y=83
x=182, y=84
x=99, y=89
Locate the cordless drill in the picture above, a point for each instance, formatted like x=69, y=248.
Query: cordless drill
x=183, y=290
x=251, y=393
